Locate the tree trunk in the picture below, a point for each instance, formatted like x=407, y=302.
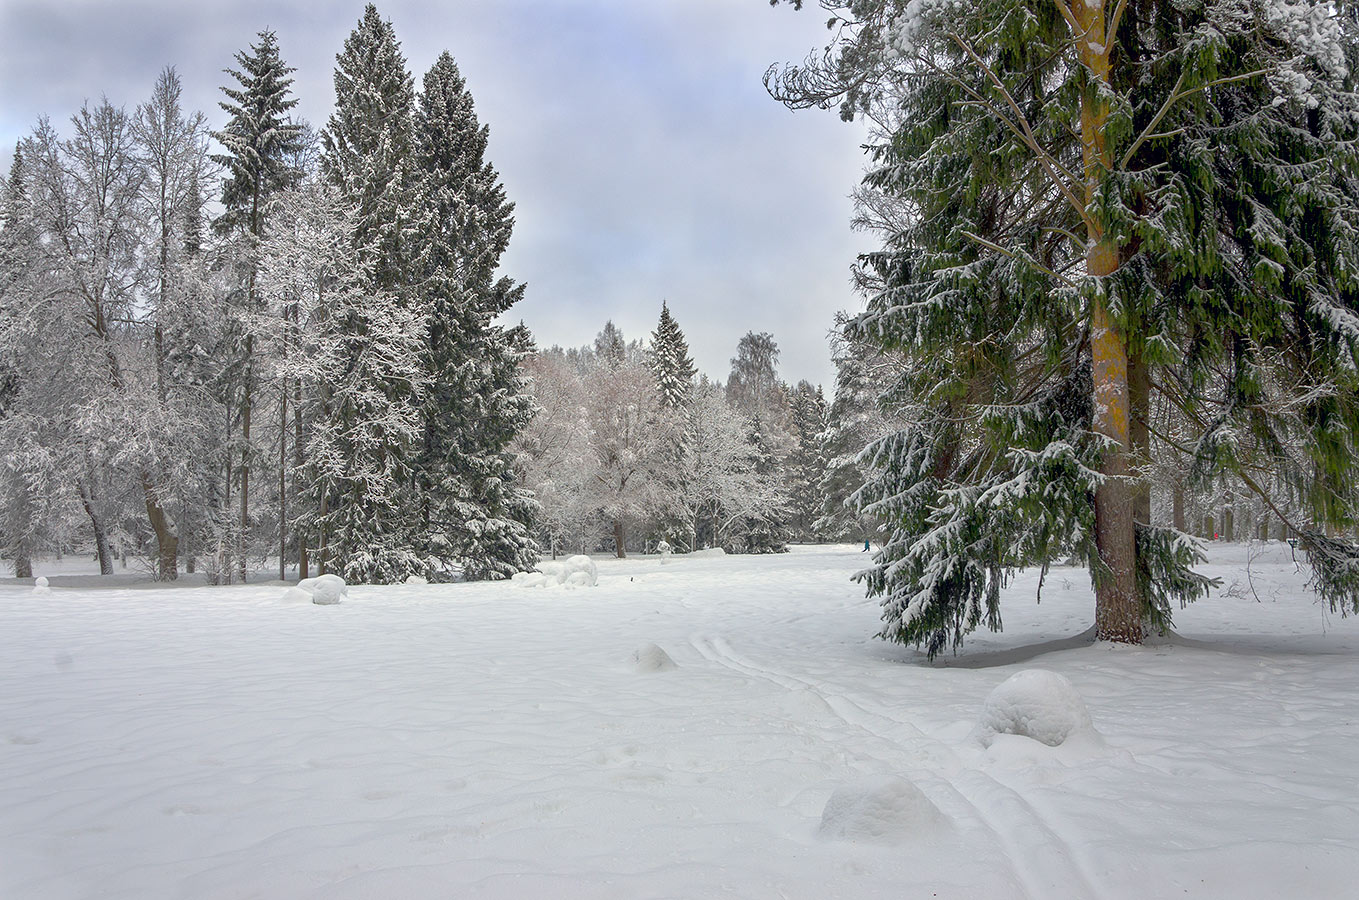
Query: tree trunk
x=618, y=539
x=1139, y=434
x=1228, y=525
x=301, y=536
x=101, y=539
x=167, y=545
x=1118, y=609
x=225, y=542
x=283, y=482
x=321, y=549
x=1177, y=507
x=245, y=468
x=23, y=543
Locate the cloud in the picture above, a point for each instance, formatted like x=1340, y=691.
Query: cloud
x=644, y=157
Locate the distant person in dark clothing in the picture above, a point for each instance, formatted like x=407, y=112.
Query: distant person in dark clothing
x=865, y=550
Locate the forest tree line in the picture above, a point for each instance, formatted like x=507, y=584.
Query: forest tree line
x=224, y=346
x=283, y=346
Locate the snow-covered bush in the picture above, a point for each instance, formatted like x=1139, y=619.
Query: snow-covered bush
x=325, y=590
x=581, y=564
x=576, y=571
x=1034, y=703
x=880, y=810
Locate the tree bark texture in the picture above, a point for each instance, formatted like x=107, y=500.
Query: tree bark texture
x=101, y=539
x=1118, y=609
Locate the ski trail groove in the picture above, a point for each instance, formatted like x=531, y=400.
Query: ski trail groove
x=1044, y=862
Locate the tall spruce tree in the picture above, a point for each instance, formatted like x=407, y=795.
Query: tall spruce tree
x=260, y=142
x=806, y=464
x=671, y=363
x=477, y=518
x=366, y=511
x=1111, y=206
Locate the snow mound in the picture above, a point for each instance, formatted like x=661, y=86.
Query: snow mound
x=296, y=595
x=880, y=810
x=416, y=579
x=528, y=579
x=705, y=554
x=652, y=658
x=575, y=571
x=326, y=590
x=583, y=563
x=1034, y=703
x=40, y=585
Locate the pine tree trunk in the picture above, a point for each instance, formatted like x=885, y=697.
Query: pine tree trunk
x=283, y=482
x=1118, y=610
x=1139, y=433
x=224, y=561
x=23, y=563
x=1177, y=507
x=321, y=549
x=618, y=539
x=1228, y=525
x=301, y=536
x=245, y=468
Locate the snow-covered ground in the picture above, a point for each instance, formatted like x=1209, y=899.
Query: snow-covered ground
x=493, y=740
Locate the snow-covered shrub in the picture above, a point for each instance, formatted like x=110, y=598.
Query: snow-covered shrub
x=879, y=810
x=1034, y=703
x=577, y=571
x=325, y=590
x=583, y=564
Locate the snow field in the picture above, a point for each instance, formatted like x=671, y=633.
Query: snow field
x=478, y=740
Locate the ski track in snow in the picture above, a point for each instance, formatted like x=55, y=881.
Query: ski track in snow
x=1045, y=863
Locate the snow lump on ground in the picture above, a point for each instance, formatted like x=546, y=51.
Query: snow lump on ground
x=325, y=590
x=1034, y=703
x=879, y=810
x=652, y=658
x=575, y=571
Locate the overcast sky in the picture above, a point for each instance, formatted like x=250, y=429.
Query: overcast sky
x=635, y=137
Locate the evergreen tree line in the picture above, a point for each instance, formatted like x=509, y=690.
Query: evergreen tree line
x=1115, y=301
x=288, y=348
x=633, y=447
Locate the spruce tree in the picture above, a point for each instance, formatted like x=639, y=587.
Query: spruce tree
x=366, y=513
x=806, y=464
x=1113, y=208
x=260, y=141
x=477, y=518
x=671, y=363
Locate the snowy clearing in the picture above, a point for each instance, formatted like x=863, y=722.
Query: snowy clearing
x=724, y=726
